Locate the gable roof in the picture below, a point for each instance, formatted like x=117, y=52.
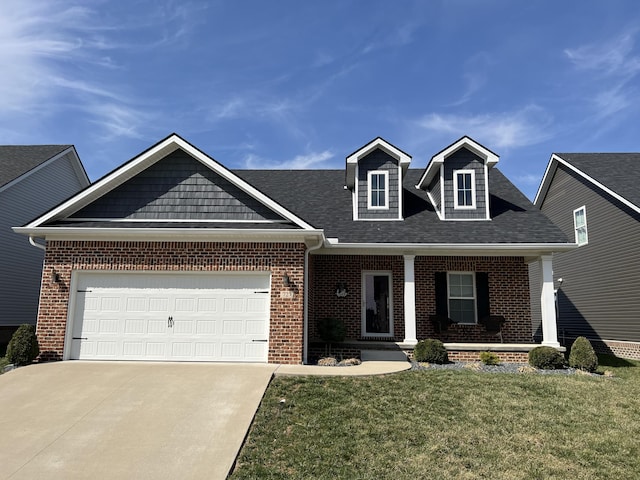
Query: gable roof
x=615, y=173
x=467, y=142
x=16, y=160
x=139, y=164
x=404, y=159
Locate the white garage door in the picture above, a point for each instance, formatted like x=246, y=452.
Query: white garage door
x=174, y=317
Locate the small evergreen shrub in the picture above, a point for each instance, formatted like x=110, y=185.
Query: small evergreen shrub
x=430, y=350
x=23, y=346
x=489, y=358
x=546, y=358
x=331, y=330
x=582, y=355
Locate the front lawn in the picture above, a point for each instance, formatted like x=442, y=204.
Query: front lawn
x=448, y=424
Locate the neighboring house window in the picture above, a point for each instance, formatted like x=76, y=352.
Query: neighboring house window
x=465, y=188
x=378, y=189
x=580, y=225
x=462, y=297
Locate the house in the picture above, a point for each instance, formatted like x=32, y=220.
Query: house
x=595, y=200
x=172, y=256
x=33, y=178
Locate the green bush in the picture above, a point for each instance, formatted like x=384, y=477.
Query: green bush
x=430, y=350
x=23, y=346
x=546, y=358
x=489, y=358
x=331, y=330
x=582, y=355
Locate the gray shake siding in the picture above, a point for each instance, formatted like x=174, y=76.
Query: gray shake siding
x=21, y=262
x=435, y=192
x=178, y=187
x=464, y=159
x=378, y=160
x=599, y=296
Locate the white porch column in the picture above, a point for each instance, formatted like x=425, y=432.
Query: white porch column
x=547, y=303
x=409, y=300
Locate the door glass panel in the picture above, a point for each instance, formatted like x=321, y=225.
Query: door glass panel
x=377, y=312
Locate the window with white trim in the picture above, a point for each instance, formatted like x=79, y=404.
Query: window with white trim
x=462, y=297
x=464, y=185
x=580, y=225
x=378, y=186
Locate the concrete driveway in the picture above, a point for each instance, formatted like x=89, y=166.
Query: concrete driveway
x=115, y=420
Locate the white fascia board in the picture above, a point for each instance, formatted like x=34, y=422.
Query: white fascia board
x=446, y=249
x=490, y=158
x=79, y=168
x=548, y=176
x=148, y=158
x=46, y=163
x=546, y=179
x=170, y=234
x=404, y=160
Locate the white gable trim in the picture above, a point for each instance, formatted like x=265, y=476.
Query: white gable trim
x=352, y=160
x=76, y=165
x=145, y=160
x=551, y=170
x=490, y=158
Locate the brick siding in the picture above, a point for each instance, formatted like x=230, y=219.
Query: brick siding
x=508, y=294
x=64, y=257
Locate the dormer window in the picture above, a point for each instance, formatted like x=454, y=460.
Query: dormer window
x=378, y=187
x=465, y=194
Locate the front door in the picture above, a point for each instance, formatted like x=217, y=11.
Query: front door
x=377, y=316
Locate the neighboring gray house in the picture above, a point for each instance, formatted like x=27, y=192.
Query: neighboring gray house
x=33, y=179
x=595, y=199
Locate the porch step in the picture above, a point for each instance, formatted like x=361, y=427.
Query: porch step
x=383, y=355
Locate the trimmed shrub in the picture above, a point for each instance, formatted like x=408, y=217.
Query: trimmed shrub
x=331, y=330
x=23, y=346
x=489, y=358
x=431, y=351
x=546, y=358
x=582, y=355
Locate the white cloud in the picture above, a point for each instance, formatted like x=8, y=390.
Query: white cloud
x=610, y=58
x=527, y=126
x=309, y=161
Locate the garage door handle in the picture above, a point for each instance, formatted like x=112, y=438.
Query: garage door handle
x=260, y=340
x=170, y=322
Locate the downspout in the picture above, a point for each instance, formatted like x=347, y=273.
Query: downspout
x=305, y=327
x=36, y=244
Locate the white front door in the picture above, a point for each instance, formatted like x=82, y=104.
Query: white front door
x=377, y=304
x=174, y=317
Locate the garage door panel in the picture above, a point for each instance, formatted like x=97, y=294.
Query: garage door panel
x=106, y=348
x=135, y=326
x=110, y=304
x=208, y=305
x=128, y=316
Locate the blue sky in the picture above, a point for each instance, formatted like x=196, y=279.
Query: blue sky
x=302, y=84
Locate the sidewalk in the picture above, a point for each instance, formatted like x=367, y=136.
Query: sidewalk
x=374, y=363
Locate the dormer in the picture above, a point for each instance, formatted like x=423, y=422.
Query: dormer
x=374, y=176
x=457, y=181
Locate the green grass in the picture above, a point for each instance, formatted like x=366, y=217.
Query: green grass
x=441, y=424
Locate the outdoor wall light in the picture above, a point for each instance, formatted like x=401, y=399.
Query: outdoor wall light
x=286, y=281
x=55, y=277
x=341, y=290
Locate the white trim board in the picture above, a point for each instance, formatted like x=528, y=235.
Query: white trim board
x=145, y=160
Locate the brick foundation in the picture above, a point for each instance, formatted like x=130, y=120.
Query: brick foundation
x=630, y=350
x=64, y=257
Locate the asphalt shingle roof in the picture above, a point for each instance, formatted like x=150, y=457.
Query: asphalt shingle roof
x=619, y=172
x=319, y=197
x=16, y=160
